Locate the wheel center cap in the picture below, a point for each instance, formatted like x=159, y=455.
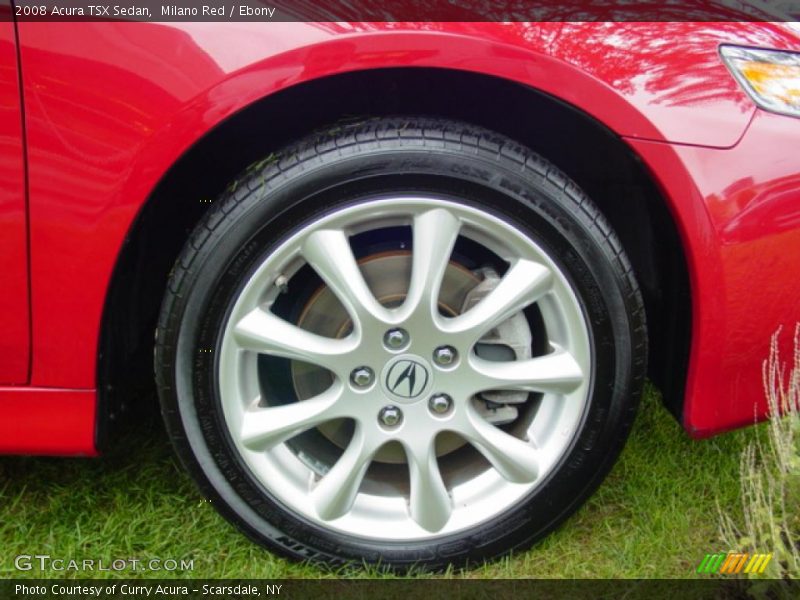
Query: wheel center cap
x=406, y=378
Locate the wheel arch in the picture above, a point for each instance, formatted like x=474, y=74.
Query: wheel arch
x=580, y=145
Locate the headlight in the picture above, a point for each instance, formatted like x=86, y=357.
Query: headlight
x=770, y=77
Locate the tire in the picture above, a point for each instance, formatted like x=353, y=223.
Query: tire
x=311, y=414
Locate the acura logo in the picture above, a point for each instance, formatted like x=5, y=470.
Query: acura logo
x=407, y=378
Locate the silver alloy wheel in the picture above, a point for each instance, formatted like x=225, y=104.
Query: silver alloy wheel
x=516, y=460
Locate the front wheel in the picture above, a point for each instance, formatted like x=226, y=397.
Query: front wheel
x=409, y=342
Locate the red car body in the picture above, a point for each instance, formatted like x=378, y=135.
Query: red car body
x=96, y=114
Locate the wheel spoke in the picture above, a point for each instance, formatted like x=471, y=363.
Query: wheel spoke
x=514, y=459
x=329, y=253
x=430, y=504
x=334, y=495
x=524, y=283
x=264, y=428
x=264, y=332
x=435, y=233
x=557, y=373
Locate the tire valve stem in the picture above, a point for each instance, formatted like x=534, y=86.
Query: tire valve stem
x=282, y=283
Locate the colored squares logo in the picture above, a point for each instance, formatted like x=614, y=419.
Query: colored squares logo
x=733, y=563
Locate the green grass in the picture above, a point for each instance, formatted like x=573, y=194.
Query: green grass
x=655, y=515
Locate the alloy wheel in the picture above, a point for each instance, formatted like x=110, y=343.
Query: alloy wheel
x=393, y=438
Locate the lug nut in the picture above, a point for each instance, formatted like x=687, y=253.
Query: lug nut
x=390, y=416
x=440, y=403
x=362, y=377
x=395, y=338
x=445, y=356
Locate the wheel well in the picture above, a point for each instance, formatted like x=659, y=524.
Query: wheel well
x=601, y=163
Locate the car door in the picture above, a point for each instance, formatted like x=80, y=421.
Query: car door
x=14, y=310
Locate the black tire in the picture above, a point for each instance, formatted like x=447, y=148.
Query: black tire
x=338, y=167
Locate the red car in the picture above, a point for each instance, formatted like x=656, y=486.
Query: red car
x=401, y=282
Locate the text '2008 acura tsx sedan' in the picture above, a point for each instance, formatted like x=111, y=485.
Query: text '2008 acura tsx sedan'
x=405, y=279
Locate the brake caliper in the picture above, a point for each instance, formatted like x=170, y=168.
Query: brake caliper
x=511, y=340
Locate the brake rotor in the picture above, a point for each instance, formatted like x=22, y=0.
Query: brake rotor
x=387, y=274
